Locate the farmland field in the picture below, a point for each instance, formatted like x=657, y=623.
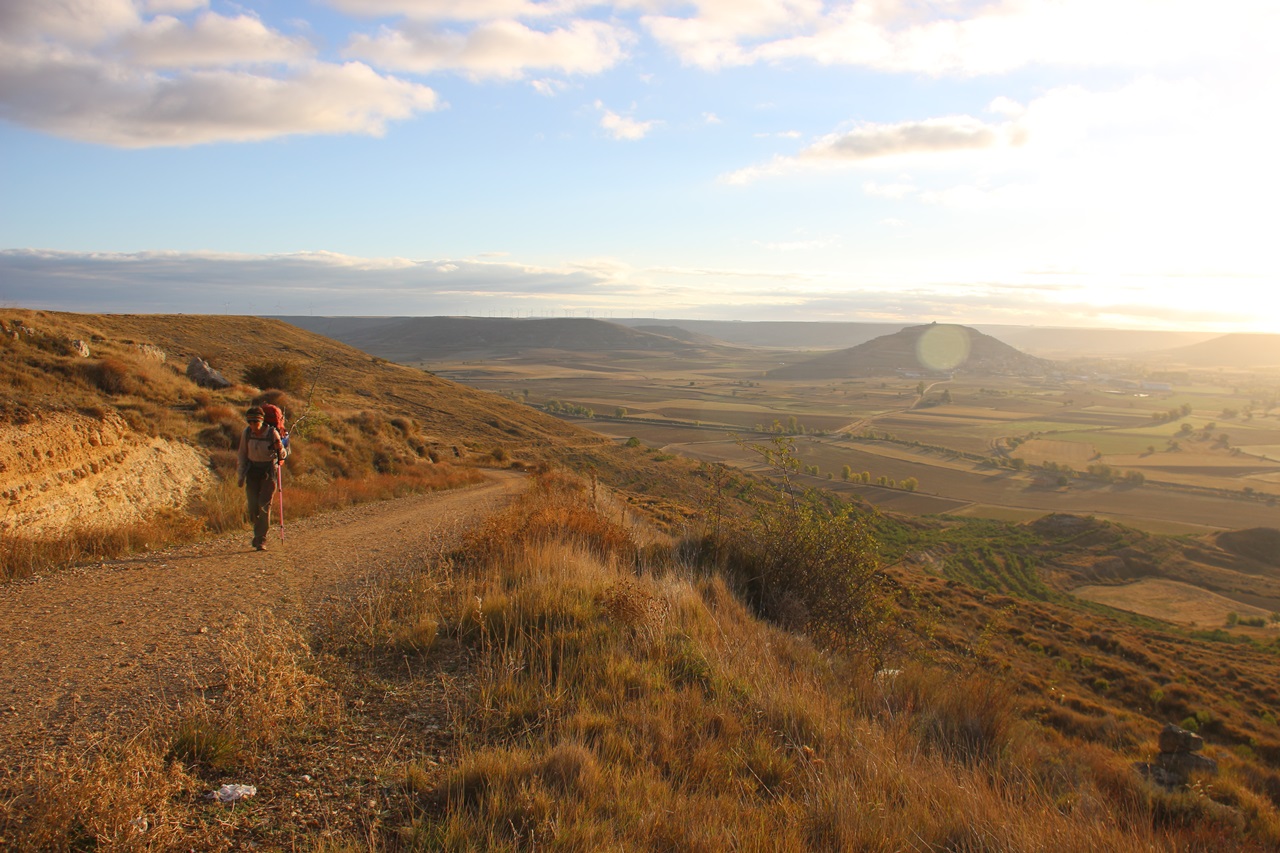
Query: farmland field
x=992, y=448
x=1171, y=601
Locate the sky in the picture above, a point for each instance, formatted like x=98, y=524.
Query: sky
x=1094, y=163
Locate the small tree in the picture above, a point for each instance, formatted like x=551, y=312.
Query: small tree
x=811, y=561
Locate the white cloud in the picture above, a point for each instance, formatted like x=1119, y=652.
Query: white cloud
x=213, y=40
x=869, y=141
x=460, y=10
x=303, y=282
x=163, y=7
x=113, y=105
x=322, y=283
x=76, y=22
x=499, y=49
x=99, y=72
x=968, y=39
x=548, y=87
x=621, y=127
x=714, y=35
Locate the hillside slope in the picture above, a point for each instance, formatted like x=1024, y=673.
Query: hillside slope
x=101, y=427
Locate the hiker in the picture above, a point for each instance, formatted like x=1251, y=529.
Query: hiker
x=261, y=452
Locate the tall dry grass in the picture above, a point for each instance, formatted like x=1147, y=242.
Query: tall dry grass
x=24, y=556
x=613, y=710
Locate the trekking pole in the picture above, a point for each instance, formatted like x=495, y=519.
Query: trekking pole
x=280, y=492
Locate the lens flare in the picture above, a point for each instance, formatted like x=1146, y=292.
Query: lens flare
x=943, y=347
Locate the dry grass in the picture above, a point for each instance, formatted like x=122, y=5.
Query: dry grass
x=615, y=711
x=144, y=790
x=24, y=556
x=593, y=706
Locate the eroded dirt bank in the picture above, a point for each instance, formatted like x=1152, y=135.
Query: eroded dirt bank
x=66, y=470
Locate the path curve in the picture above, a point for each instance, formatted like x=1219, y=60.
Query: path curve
x=90, y=647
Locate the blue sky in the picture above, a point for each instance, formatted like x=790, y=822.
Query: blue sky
x=1048, y=162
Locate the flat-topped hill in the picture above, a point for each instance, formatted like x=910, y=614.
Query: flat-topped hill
x=1235, y=350
x=418, y=339
x=934, y=349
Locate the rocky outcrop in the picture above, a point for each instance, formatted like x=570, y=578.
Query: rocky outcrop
x=152, y=352
x=1179, y=759
x=66, y=470
x=199, y=372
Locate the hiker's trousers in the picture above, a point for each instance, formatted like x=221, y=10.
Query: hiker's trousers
x=259, y=489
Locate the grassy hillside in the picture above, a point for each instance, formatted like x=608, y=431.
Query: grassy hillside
x=362, y=427
x=344, y=377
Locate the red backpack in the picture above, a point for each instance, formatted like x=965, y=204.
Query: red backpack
x=272, y=416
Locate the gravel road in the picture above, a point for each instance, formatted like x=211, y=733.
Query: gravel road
x=91, y=648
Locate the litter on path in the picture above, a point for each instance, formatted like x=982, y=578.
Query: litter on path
x=232, y=793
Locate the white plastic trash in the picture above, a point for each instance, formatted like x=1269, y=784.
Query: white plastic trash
x=233, y=793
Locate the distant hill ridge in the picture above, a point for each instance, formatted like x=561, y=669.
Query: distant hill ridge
x=934, y=349
x=1239, y=349
x=416, y=339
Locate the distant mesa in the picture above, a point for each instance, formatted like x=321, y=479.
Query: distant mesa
x=417, y=339
x=681, y=334
x=1234, y=350
x=933, y=350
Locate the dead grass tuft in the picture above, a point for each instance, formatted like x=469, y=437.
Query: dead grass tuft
x=271, y=691
x=110, y=796
x=24, y=557
x=560, y=509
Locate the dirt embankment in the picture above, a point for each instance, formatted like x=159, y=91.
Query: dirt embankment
x=67, y=470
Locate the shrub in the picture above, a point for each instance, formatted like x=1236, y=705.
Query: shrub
x=112, y=376
x=811, y=563
x=284, y=375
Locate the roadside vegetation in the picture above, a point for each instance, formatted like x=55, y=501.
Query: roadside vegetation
x=567, y=681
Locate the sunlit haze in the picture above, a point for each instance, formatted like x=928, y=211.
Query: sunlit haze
x=1035, y=162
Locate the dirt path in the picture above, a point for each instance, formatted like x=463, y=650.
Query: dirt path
x=84, y=646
